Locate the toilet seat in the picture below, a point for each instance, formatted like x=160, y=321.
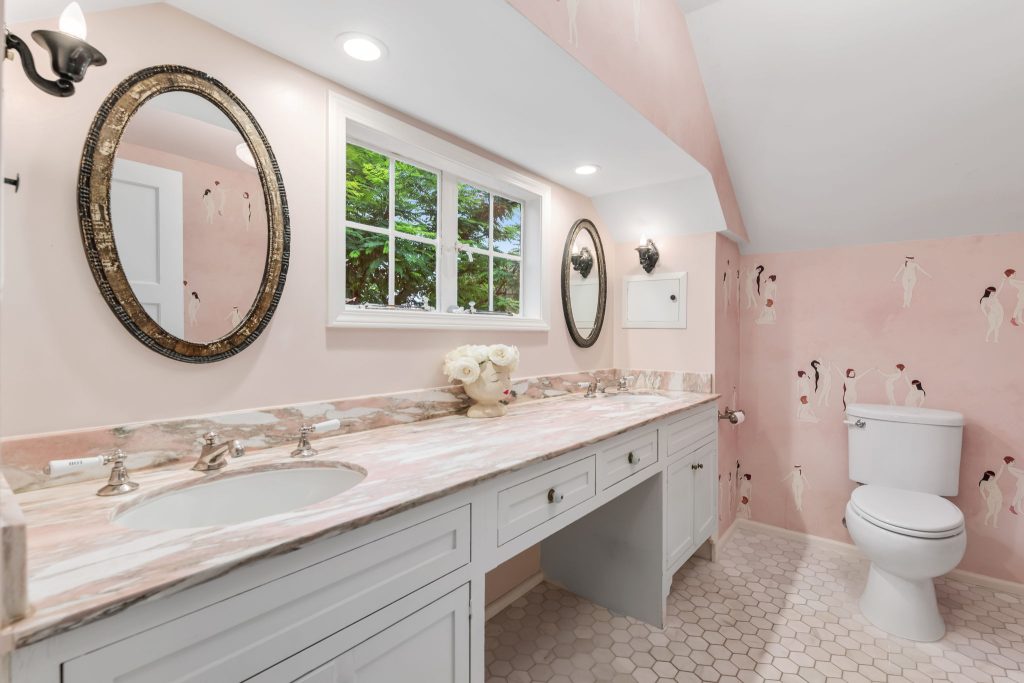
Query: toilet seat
x=909, y=513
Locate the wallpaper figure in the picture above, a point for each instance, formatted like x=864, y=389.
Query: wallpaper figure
x=745, y=487
x=992, y=494
x=916, y=395
x=992, y=309
x=804, y=412
x=193, y=309
x=1018, y=494
x=234, y=316
x=246, y=210
x=850, y=385
x=823, y=380
x=909, y=271
x=770, y=292
x=752, y=285
x=209, y=205
x=798, y=482
x=726, y=293
x=890, y=382
x=1017, y=319
x=573, y=6
x=221, y=197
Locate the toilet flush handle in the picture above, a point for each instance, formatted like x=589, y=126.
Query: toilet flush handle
x=859, y=424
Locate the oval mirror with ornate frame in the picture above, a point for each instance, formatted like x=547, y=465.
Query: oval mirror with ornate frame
x=181, y=196
x=584, y=283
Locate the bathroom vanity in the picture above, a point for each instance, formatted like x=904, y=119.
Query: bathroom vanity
x=384, y=582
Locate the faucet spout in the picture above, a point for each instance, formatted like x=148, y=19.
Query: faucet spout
x=214, y=455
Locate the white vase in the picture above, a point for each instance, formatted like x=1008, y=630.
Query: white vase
x=493, y=386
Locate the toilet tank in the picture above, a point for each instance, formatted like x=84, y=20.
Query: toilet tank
x=917, y=449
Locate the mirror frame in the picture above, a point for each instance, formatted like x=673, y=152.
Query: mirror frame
x=602, y=294
x=94, y=180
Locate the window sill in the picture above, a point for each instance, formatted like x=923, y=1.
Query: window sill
x=398, y=320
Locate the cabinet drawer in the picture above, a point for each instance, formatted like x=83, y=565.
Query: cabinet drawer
x=237, y=638
x=533, y=502
x=692, y=431
x=617, y=462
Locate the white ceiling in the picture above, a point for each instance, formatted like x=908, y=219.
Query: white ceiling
x=475, y=68
x=860, y=121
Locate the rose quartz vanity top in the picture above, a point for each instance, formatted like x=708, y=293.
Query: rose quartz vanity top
x=82, y=566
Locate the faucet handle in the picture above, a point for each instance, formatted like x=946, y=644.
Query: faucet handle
x=624, y=382
x=210, y=438
x=119, y=481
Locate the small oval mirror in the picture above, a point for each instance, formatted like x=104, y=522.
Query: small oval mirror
x=584, y=283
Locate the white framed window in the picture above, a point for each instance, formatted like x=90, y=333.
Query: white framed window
x=424, y=233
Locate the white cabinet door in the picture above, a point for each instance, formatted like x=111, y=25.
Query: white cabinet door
x=430, y=645
x=704, y=485
x=679, y=485
x=654, y=301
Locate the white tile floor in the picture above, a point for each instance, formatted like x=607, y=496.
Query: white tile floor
x=771, y=609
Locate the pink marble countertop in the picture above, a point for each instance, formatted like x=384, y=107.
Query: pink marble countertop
x=82, y=566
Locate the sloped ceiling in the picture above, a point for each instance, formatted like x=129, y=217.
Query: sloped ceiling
x=861, y=121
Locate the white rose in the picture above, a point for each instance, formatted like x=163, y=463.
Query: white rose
x=503, y=355
x=478, y=353
x=465, y=370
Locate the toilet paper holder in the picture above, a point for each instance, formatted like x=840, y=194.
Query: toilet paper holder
x=733, y=416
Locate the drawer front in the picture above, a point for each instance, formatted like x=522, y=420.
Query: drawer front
x=692, y=431
x=533, y=502
x=617, y=462
x=243, y=635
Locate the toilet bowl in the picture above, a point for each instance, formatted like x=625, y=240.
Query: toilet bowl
x=910, y=538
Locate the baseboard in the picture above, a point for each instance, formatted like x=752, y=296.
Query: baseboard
x=724, y=538
x=998, y=585
x=508, y=598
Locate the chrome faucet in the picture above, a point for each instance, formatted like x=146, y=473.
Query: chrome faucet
x=593, y=388
x=215, y=455
x=624, y=382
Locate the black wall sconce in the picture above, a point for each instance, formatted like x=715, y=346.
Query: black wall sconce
x=583, y=261
x=70, y=54
x=648, y=255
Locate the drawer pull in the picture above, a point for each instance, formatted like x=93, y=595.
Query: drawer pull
x=633, y=458
x=555, y=496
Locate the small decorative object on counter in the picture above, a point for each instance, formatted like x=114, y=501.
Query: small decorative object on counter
x=486, y=375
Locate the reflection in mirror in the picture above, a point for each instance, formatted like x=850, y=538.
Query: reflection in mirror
x=189, y=216
x=584, y=283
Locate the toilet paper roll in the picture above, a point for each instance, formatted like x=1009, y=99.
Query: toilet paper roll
x=740, y=417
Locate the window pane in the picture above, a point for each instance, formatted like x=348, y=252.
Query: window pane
x=473, y=281
x=415, y=274
x=508, y=225
x=415, y=200
x=506, y=285
x=366, y=267
x=366, y=186
x=474, y=216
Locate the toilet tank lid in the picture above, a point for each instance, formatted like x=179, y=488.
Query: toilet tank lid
x=923, y=416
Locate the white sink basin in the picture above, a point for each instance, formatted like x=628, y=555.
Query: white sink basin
x=233, y=498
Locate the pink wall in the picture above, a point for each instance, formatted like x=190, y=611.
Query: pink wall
x=224, y=256
x=648, y=59
x=727, y=373
x=691, y=349
x=69, y=364
x=846, y=307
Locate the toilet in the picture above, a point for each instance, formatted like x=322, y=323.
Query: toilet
x=906, y=460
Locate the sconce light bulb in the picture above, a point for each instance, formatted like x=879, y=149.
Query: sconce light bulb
x=72, y=21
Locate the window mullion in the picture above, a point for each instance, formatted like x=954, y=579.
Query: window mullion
x=391, y=231
x=448, y=276
x=490, y=253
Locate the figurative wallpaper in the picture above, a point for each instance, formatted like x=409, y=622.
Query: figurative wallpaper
x=225, y=240
x=937, y=323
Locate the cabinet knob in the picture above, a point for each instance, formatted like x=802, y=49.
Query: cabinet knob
x=693, y=466
x=633, y=458
x=700, y=466
x=672, y=297
x=555, y=496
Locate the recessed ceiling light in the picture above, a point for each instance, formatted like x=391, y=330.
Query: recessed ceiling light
x=362, y=47
x=243, y=153
x=587, y=169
